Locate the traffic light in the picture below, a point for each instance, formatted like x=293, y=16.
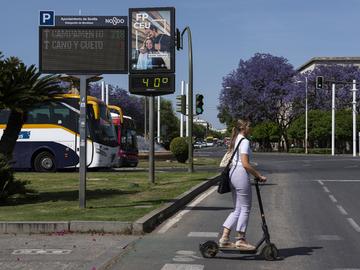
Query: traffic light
x=319, y=82
x=199, y=104
x=181, y=104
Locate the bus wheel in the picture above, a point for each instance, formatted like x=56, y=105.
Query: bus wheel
x=44, y=162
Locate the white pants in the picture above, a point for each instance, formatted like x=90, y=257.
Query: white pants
x=241, y=193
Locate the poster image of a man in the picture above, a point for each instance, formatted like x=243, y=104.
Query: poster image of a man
x=151, y=41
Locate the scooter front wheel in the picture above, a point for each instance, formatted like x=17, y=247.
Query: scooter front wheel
x=270, y=252
x=209, y=249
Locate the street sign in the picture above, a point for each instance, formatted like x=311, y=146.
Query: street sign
x=152, y=40
x=151, y=84
x=47, y=18
x=84, y=45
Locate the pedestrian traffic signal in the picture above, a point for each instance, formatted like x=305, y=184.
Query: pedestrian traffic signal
x=181, y=104
x=319, y=82
x=199, y=104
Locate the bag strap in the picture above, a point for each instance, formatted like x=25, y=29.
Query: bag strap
x=234, y=152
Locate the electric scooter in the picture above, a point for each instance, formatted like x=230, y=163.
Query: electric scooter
x=269, y=252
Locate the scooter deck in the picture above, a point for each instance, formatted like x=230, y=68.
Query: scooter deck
x=237, y=250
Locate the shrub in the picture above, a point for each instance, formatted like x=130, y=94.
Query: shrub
x=8, y=185
x=180, y=149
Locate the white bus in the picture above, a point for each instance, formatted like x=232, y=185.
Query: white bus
x=49, y=139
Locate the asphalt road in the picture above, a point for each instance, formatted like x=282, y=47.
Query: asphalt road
x=312, y=209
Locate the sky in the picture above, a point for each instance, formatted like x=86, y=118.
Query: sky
x=223, y=32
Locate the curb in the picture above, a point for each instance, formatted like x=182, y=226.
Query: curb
x=150, y=221
x=143, y=225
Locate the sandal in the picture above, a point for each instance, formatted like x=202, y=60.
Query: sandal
x=243, y=245
x=225, y=242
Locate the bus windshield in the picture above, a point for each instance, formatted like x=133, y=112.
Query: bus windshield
x=103, y=128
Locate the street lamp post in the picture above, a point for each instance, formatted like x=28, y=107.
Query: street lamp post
x=306, y=115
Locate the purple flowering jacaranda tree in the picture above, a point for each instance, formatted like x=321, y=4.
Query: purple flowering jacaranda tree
x=262, y=89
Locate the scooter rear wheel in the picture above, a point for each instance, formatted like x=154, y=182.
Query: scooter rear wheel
x=270, y=252
x=209, y=249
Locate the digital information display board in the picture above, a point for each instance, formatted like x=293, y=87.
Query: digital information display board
x=83, y=50
x=152, y=40
x=152, y=84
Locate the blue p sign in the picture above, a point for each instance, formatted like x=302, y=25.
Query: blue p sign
x=46, y=17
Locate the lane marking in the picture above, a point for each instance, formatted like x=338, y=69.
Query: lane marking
x=347, y=269
x=339, y=180
x=354, y=224
x=36, y=251
x=342, y=210
x=171, y=222
x=332, y=198
x=204, y=234
x=172, y=266
x=320, y=182
x=326, y=189
x=328, y=237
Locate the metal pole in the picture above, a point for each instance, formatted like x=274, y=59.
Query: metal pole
x=306, y=115
x=191, y=84
x=354, y=117
x=145, y=117
x=158, y=119
x=181, y=115
x=151, y=140
x=333, y=121
x=107, y=94
x=82, y=131
x=187, y=109
x=190, y=96
x=102, y=90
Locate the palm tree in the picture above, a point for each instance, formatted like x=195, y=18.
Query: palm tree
x=21, y=88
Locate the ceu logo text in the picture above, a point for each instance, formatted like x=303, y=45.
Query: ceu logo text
x=142, y=21
x=115, y=21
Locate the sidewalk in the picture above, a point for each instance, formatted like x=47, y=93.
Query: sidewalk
x=61, y=251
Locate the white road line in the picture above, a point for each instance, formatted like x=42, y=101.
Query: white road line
x=328, y=237
x=321, y=182
x=171, y=222
x=347, y=269
x=204, y=234
x=342, y=210
x=36, y=251
x=354, y=224
x=326, y=189
x=339, y=180
x=332, y=198
x=173, y=266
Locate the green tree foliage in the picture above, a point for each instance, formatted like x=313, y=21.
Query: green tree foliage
x=8, y=185
x=319, y=128
x=199, y=131
x=170, y=124
x=179, y=148
x=264, y=133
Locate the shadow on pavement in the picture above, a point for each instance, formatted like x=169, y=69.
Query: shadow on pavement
x=283, y=254
x=203, y=208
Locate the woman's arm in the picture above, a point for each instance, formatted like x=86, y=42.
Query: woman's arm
x=250, y=169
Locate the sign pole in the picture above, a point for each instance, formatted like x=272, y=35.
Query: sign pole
x=354, y=117
x=158, y=119
x=83, y=135
x=151, y=140
x=333, y=121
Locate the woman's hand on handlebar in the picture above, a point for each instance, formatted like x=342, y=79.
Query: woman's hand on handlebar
x=261, y=178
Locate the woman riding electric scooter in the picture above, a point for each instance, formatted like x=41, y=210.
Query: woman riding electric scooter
x=241, y=188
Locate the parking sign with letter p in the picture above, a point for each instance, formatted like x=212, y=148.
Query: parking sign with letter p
x=47, y=18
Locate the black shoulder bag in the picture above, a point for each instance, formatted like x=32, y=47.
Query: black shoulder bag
x=224, y=177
